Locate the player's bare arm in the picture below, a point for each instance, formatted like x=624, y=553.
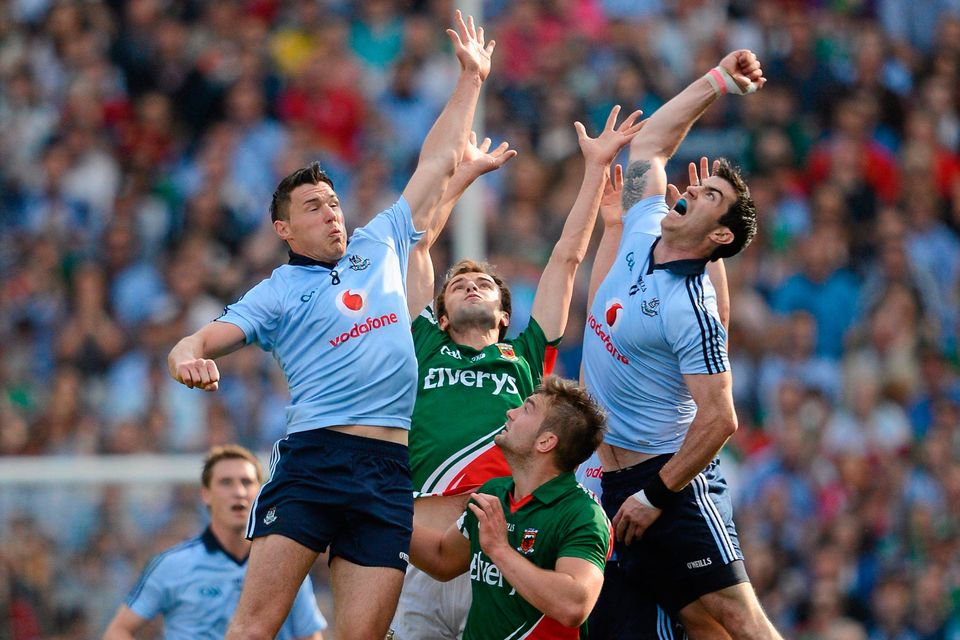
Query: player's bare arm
x=477, y=160
x=567, y=594
x=716, y=421
x=124, y=625
x=443, y=555
x=551, y=304
x=191, y=361
x=739, y=72
x=444, y=144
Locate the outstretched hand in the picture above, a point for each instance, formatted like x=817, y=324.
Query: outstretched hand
x=605, y=147
x=478, y=159
x=611, y=203
x=468, y=45
x=744, y=67
x=694, y=178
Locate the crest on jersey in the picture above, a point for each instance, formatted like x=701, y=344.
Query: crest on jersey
x=359, y=263
x=527, y=541
x=650, y=307
x=271, y=516
x=507, y=352
x=352, y=302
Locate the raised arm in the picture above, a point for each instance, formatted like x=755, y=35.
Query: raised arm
x=738, y=73
x=443, y=556
x=447, y=138
x=611, y=215
x=191, y=363
x=551, y=304
x=477, y=160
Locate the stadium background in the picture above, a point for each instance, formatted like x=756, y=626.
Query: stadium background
x=141, y=141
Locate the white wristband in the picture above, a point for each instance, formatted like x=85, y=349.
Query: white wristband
x=641, y=497
x=723, y=83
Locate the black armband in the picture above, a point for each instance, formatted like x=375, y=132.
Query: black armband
x=659, y=495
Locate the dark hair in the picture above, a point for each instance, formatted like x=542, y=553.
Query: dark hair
x=472, y=266
x=310, y=174
x=575, y=418
x=740, y=218
x=228, y=452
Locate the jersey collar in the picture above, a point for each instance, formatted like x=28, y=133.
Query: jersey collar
x=688, y=267
x=213, y=545
x=555, y=488
x=298, y=260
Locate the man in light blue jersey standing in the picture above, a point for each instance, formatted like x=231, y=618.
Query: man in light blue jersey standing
x=195, y=586
x=655, y=357
x=336, y=320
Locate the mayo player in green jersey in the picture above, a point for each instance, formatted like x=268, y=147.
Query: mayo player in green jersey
x=533, y=545
x=464, y=361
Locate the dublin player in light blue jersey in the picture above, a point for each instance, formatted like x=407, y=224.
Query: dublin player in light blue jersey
x=195, y=586
x=337, y=321
x=655, y=357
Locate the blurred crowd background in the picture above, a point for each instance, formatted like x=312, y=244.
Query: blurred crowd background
x=141, y=141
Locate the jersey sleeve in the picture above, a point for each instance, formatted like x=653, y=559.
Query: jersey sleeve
x=694, y=330
x=427, y=335
x=151, y=596
x=393, y=227
x=305, y=618
x=588, y=537
x=532, y=345
x=257, y=313
x=645, y=216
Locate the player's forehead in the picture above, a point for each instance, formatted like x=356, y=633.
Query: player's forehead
x=471, y=276
x=306, y=192
x=231, y=468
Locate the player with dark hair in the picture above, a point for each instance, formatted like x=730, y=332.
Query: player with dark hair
x=195, y=586
x=655, y=357
x=533, y=545
x=336, y=319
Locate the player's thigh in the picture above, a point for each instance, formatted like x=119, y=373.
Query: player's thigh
x=738, y=610
x=700, y=625
x=364, y=598
x=276, y=568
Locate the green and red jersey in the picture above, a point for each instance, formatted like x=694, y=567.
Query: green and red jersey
x=462, y=400
x=560, y=519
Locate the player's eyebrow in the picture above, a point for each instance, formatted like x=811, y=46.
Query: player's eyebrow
x=718, y=192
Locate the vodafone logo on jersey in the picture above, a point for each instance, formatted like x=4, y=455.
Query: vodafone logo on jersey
x=614, y=310
x=352, y=303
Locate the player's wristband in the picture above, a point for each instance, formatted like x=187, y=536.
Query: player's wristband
x=642, y=498
x=723, y=83
x=658, y=495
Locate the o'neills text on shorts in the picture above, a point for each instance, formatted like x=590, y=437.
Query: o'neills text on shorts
x=605, y=337
x=360, y=328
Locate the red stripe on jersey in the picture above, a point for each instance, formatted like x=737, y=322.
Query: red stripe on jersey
x=550, y=629
x=490, y=464
x=516, y=504
x=549, y=359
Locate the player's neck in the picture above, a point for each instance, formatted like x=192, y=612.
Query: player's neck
x=669, y=251
x=233, y=541
x=475, y=337
x=527, y=478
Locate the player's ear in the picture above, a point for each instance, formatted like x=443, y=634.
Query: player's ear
x=205, y=496
x=443, y=322
x=282, y=227
x=504, y=319
x=722, y=235
x=547, y=441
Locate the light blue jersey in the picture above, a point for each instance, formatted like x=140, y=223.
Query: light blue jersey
x=651, y=324
x=341, y=332
x=196, y=585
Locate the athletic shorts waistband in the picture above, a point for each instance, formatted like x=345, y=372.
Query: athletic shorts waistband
x=629, y=476
x=338, y=439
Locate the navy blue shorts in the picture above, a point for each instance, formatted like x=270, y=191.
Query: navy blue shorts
x=347, y=492
x=691, y=550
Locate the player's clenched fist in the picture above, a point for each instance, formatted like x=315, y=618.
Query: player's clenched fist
x=200, y=373
x=739, y=73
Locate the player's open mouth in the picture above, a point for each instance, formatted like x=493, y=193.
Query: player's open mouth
x=681, y=207
x=238, y=508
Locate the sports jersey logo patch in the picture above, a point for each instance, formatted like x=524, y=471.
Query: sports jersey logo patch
x=526, y=543
x=630, y=261
x=210, y=591
x=613, y=312
x=359, y=263
x=352, y=303
x=271, y=516
x=507, y=352
x=650, y=308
